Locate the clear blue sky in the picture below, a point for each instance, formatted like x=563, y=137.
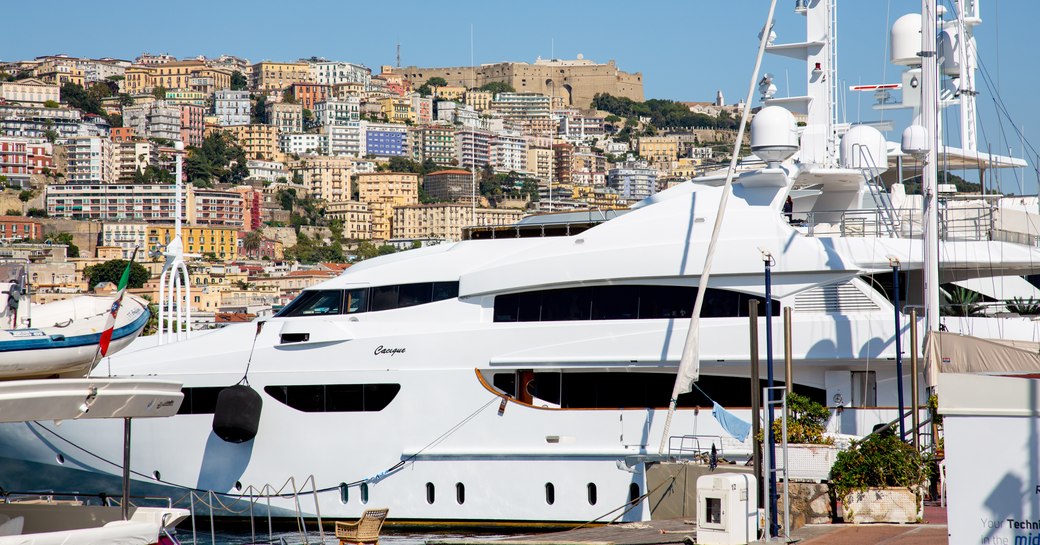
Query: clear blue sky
x=685, y=50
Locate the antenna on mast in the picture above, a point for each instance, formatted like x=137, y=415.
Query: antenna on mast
x=398, y=54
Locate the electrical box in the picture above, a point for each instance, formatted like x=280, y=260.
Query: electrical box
x=727, y=509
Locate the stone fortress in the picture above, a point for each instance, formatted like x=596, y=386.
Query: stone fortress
x=576, y=80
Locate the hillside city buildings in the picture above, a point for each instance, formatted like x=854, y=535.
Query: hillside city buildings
x=91, y=143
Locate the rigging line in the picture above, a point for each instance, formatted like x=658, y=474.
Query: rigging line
x=999, y=100
x=690, y=347
x=387, y=472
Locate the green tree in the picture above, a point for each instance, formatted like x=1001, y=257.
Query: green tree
x=437, y=82
x=62, y=238
x=112, y=271
x=238, y=81
x=36, y=213
x=288, y=97
x=219, y=158
x=76, y=96
x=13, y=212
x=159, y=92
x=259, y=112
x=498, y=87
x=286, y=198
x=50, y=104
x=251, y=243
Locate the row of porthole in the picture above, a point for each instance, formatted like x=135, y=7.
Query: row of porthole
x=460, y=493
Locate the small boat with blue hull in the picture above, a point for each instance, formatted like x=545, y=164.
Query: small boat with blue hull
x=65, y=336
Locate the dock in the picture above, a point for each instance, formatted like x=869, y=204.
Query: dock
x=932, y=531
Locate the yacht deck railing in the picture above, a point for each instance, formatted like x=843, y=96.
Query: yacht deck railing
x=959, y=223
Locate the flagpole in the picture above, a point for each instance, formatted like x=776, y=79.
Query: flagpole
x=688, y=371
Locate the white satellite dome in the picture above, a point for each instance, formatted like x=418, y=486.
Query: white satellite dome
x=774, y=134
x=915, y=141
x=906, y=40
x=864, y=147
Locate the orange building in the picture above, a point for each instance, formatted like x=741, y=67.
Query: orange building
x=122, y=134
x=19, y=227
x=309, y=94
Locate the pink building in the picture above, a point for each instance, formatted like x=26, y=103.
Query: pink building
x=192, y=124
x=21, y=158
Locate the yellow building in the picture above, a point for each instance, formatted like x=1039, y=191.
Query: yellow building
x=326, y=177
x=446, y=220
x=454, y=93
x=178, y=75
x=540, y=163
x=343, y=91
x=356, y=218
x=260, y=142
x=659, y=149
x=480, y=100
x=382, y=191
x=396, y=109
x=221, y=242
x=277, y=76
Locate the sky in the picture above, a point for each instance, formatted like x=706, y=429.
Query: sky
x=685, y=50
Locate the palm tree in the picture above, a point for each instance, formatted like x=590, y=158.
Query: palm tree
x=251, y=243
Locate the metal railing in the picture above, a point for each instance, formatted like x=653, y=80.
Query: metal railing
x=960, y=223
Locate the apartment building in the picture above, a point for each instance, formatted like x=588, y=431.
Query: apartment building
x=332, y=73
x=386, y=140
x=633, y=179
x=287, y=118
x=231, y=107
x=20, y=228
x=158, y=119
x=382, y=191
x=178, y=75
x=302, y=143
x=277, y=76
x=260, y=142
x=219, y=242
x=193, y=124
x=31, y=91
x=473, y=147
x=435, y=142
x=528, y=112
x=252, y=199
x=445, y=221
x=309, y=94
x=112, y=202
x=30, y=121
x=131, y=157
x=508, y=152
x=658, y=149
x=126, y=235
x=89, y=159
x=337, y=112
x=327, y=178
x=356, y=218
x=456, y=185
x=214, y=207
x=540, y=163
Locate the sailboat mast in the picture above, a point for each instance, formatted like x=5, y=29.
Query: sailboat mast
x=929, y=118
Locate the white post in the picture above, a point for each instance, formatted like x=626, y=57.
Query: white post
x=929, y=117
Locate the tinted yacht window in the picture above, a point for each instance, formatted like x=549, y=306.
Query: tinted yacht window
x=314, y=303
x=621, y=303
x=327, y=398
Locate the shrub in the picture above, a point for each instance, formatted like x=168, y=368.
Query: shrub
x=806, y=422
x=877, y=462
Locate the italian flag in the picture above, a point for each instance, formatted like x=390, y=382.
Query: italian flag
x=106, y=336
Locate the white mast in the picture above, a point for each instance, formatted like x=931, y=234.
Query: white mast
x=929, y=119
x=174, y=284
